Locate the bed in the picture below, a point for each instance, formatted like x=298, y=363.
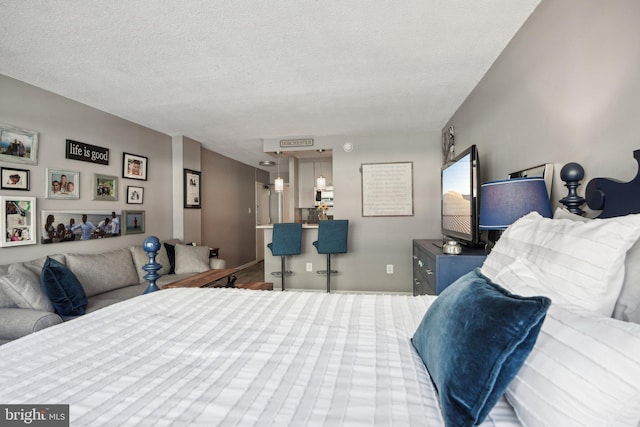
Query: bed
x=241, y=357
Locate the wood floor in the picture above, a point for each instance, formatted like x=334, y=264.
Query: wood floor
x=255, y=273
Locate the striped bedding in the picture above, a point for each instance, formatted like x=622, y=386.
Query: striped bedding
x=233, y=357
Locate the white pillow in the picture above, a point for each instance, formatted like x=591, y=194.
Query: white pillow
x=628, y=304
x=191, y=259
x=524, y=278
x=583, y=371
x=585, y=256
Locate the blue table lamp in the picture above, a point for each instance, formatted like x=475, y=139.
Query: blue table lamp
x=503, y=202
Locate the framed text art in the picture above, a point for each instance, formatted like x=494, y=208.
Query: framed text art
x=387, y=189
x=135, y=195
x=105, y=187
x=133, y=222
x=62, y=184
x=18, y=145
x=192, y=190
x=17, y=221
x=134, y=166
x=14, y=179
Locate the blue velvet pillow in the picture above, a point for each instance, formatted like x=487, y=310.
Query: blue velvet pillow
x=473, y=340
x=63, y=289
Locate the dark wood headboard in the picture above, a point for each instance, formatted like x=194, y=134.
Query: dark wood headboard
x=613, y=197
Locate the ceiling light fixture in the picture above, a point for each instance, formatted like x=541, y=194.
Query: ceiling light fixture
x=278, y=182
x=267, y=163
x=321, y=181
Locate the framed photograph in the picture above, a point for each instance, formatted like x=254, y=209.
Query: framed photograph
x=18, y=221
x=132, y=222
x=192, y=190
x=61, y=226
x=135, y=195
x=62, y=184
x=18, y=145
x=14, y=179
x=134, y=166
x=105, y=187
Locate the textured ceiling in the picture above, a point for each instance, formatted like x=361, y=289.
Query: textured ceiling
x=231, y=73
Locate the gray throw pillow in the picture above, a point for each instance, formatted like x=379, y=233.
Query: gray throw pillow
x=22, y=286
x=191, y=259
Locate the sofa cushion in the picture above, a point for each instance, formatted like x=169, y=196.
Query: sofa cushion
x=63, y=289
x=473, y=340
x=191, y=259
x=105, y=271
x=103, y=300
x=36, y=264
x=140, y=259
x=23, y=287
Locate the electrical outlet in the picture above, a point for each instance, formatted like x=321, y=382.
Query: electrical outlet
x=389, y=268
x=309, y=266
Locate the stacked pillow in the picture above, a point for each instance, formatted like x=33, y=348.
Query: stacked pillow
x=584, y=261
x=584, y=369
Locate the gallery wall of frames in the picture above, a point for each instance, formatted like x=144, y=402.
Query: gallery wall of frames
x=19, y=213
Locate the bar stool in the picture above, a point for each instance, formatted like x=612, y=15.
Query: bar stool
x=332, y=239
x=286, y=240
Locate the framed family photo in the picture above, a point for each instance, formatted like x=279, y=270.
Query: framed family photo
x=134, y=166
x=62, y=184
x=59, y=226
x=132, y=222
x=135, y=195
x=18, y=145
x=14, y=179
x=105, y=187
x=192, y=190
x=17, y=221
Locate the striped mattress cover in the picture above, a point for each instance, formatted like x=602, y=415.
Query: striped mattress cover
x=233, y=357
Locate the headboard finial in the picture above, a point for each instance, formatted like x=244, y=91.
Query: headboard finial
x=572, y=173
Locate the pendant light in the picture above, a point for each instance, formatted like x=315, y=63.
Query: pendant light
x=321, y=181
x=279, y=182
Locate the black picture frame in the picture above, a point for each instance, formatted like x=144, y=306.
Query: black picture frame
x=192, y=189
x=14, y=179
x=134, y=166
x=135, y=195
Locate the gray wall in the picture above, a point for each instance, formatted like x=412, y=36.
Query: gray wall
x=228, y=207
x=57, y=119
x=565, y=89
x=375, y=242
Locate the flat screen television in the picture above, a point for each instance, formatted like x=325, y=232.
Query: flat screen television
x=460, y=198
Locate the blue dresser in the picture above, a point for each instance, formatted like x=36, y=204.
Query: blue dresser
x=433, y=271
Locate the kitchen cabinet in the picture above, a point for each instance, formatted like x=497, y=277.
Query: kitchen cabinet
x=308, y=171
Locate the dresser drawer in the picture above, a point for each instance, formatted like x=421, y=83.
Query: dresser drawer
x=423, y=272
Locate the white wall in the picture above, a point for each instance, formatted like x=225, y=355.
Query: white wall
x=57, y=119
x=565, y=89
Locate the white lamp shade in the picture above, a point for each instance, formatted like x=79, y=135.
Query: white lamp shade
x=279, y=184
x=321, y=183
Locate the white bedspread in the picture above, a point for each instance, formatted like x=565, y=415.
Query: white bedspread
x=233, y=357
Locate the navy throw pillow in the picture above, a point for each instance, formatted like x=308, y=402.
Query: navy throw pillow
x=473, y=340
x=63, y=288
x=171, y=253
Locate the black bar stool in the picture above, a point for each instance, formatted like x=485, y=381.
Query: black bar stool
x=286, y=240
x=332, y=239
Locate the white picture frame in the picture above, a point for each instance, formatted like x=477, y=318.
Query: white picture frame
x=18, y=221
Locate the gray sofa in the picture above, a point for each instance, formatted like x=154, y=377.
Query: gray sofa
x=106, y=278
